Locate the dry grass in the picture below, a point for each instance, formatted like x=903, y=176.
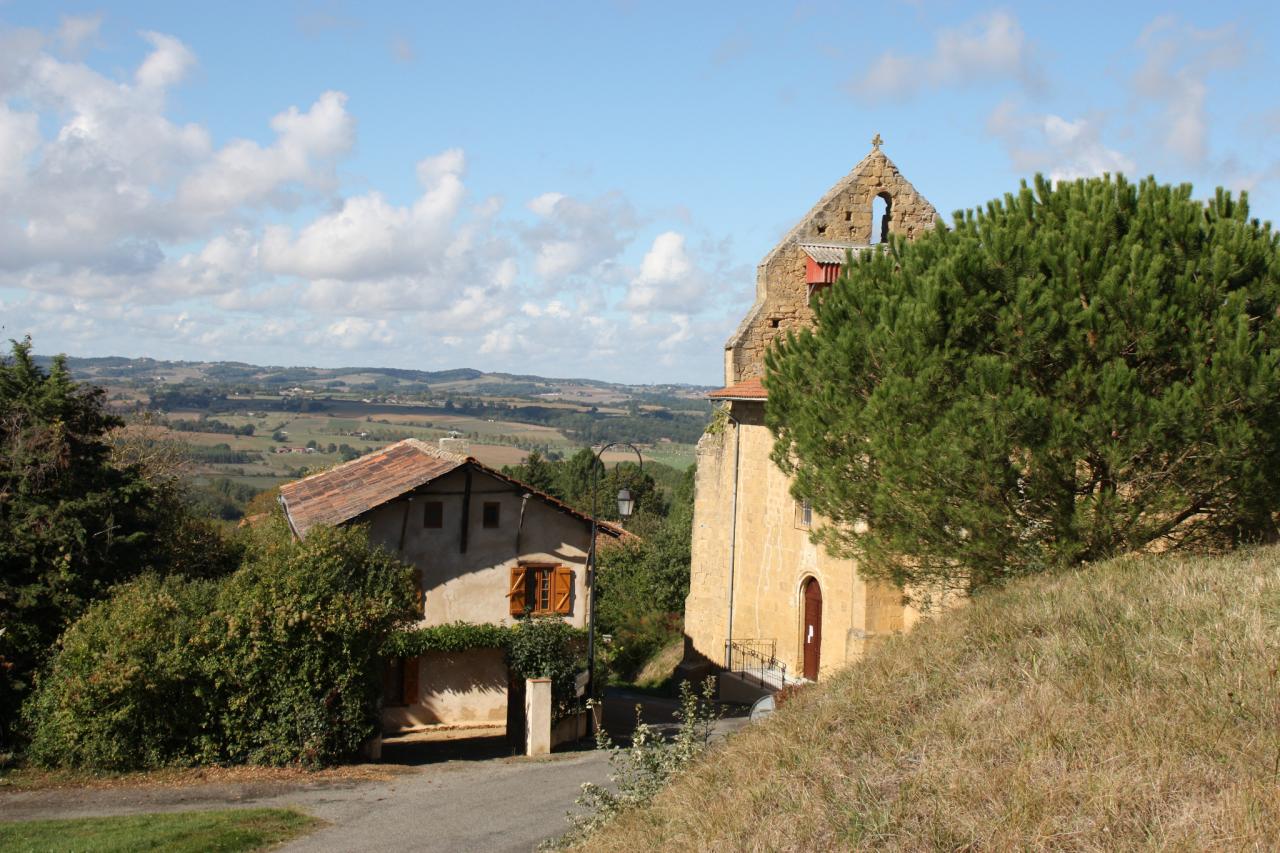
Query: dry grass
x=1132, y=704
x=34, y=779
x=659, y=668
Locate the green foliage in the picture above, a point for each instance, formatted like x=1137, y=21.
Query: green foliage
x=73, y=521
x=1072, y=372
x=294, y=653
x=642, y=769
x=454, y=637
x=125, y=690
x=548, y=647
x=644, y=582
x=276, y=664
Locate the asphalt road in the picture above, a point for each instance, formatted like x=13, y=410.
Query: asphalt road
x=498, y=804
x=441, y=794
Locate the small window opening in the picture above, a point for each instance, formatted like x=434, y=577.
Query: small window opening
x=804, y=514
x=491, y=514
x=822, y=229
x=393, y=679
x=775, y=322
x=848, y=215
x=881, y=207
x=433, y=514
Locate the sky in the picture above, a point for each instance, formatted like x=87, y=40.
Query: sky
x=566, y=189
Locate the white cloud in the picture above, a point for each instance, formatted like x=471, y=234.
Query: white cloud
x=1062, y=148
x=125, y=231
x=993, y=47
x=19, y=137
x=1177, y=60
x=75, y=31
x=573, y=237
x=166, y=65
x=667, y=278
x=368, y=238
x=245, y=173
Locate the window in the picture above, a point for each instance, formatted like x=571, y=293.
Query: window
x=400, y=682
x=433, y=514
x=541, y=589
x=804, y=515
x=492, y=512
x=881, y=210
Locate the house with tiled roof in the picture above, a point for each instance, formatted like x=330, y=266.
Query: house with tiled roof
x=487, y=549
x=764, y=598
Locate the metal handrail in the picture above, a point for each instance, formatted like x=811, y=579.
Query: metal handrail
x=755, y=658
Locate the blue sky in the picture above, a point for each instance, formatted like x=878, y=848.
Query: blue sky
x=563, y=189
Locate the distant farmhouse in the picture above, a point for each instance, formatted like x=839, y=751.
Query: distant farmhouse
x=487, y=548
x=762, y=597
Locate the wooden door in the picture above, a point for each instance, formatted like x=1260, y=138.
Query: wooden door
x=812, y=628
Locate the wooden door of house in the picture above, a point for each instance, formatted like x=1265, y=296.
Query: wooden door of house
x=812, y=628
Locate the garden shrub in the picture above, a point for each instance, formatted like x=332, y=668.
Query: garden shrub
x=276, y=664
x=124, y=690
x=297, y=645
x=548, y=647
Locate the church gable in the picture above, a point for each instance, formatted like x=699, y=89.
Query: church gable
x=811, y=254
x=845, y=213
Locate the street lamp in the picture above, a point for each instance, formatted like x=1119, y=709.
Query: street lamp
x=626, y=506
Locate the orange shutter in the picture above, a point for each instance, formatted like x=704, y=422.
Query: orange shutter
x=562, y=589
x=411, y=681
x=517, y=591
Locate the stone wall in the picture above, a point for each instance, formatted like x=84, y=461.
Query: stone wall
x=774, y=556
x=773, y=559
x=842, y=216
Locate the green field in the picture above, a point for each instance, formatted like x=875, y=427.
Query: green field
x=183, y=832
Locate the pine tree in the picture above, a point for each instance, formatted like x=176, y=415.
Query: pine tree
x=1071, y=372
x=72, y=522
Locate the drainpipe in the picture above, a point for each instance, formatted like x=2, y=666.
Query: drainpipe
x=733, y=529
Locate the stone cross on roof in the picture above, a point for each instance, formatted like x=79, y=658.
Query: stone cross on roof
x=876, y=142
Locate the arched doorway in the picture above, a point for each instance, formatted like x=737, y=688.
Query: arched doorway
x=812, y=637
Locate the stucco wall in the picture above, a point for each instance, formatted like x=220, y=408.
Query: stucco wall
x=472, y=586
x=471, y=687
x=457, y=688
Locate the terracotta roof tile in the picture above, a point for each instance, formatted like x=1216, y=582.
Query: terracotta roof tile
x=747, y=389
x=353, y=488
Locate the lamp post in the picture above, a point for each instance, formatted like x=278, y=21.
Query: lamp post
x=626, y=506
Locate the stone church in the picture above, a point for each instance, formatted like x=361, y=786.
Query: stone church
x=764, y=599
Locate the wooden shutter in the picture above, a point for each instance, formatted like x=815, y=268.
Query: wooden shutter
x=517, y=592
x=410, y=681
x=562, y=589
x=419, y=595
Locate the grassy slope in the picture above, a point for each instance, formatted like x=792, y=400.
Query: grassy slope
x=178, y=832
x=1133, y=703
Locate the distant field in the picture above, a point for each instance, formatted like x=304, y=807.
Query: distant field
x=498, y=445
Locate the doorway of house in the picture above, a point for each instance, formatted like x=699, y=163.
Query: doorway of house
x=812, y=628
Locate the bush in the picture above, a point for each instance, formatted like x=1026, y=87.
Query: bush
x=297, y=643
x=276, y=664
x=548, y=647
x=125, y=690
